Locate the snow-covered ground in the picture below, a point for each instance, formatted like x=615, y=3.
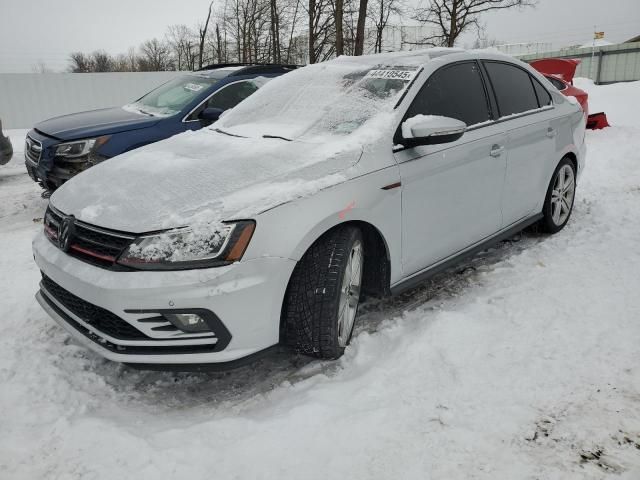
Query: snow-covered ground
x=523, y=364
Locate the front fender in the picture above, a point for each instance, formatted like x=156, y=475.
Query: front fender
x=289, y=230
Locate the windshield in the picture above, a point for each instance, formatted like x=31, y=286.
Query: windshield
x=173, y=96
x=333, y=98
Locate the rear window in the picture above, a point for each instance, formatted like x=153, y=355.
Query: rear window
x=513, y=88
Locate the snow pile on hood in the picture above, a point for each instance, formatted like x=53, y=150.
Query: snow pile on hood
x=200, y=178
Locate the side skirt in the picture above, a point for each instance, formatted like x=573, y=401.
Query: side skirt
x=421, y=276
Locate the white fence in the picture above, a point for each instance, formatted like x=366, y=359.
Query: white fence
x=612, y=63
x=27, y=98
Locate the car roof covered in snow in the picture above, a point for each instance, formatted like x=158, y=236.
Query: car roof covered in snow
x=231, y=69
x=421, y=57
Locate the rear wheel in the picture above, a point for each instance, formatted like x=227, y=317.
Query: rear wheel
x=558, y=203
x=323, y=294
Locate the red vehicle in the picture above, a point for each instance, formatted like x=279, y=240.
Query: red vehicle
x=560, y=72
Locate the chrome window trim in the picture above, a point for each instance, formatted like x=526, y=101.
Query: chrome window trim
x=512, y=117
x=184, y=119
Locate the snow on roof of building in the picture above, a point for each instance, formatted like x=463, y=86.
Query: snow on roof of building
x=597, y=43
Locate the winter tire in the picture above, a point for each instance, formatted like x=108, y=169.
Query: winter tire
x=323, y=294
x=558, y=204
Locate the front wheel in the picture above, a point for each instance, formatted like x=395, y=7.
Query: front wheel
x=323, y=294
x=558, y=203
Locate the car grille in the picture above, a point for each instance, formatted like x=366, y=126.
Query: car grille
x=103, y=320
x=94, y=245
x=32, y=149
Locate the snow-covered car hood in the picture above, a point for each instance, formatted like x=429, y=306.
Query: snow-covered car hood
x=203, y=176
x=93, y=123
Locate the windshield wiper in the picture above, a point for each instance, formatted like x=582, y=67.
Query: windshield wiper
x=227, y=133
x=146, y=113
x=277, y=136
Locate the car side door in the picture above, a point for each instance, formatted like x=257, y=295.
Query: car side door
x=526, y=112
x=451, y=193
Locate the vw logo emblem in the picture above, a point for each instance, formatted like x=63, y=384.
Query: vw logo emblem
x=65, y=232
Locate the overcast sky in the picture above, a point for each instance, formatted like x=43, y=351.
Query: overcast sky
x=48, y=30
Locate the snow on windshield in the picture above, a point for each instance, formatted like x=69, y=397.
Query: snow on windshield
x=330, y=98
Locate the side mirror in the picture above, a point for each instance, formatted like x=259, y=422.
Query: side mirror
x=431, y=130
x=210, y=115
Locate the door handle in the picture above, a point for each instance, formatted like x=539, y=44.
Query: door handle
x=551, y=132
x=496, y=150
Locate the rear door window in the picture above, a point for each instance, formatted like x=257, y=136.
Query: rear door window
x=544, y=98
x=455, y=91
x=513, y=88
x=559, y=84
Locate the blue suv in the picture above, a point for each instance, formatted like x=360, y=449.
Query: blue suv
x=61, y=147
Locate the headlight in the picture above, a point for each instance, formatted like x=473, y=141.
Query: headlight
x=191, y=247
x=80, y=148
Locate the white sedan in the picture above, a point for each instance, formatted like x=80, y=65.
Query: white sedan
x=361, y=175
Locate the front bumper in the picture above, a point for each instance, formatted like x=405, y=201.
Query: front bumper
x=246, y=297
x=47, y=169
x=51, y=177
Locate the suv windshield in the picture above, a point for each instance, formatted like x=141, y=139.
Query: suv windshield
x=173, y=96
x=334, y=98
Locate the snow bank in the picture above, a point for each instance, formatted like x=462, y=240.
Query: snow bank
x=620, y=101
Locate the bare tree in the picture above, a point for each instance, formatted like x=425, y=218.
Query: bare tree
x=80, y=63
x=362, y=18
x=452, y=17
x=132, y=59
x=155, y=56
x=380, y=13
x=339, y=16
x=40, y=67
x=102, y=61
x=220, y=46
x=120, y=63
x=483, y=41
x=275, y=30
x=202, y=34
x=321, y=30
x=292, y=31
x=181, y=41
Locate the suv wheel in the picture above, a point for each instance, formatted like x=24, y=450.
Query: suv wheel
x=323, y=294
x=558, y=203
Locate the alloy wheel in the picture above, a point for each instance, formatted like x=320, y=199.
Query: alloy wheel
x=350, y=294
x=562, y=195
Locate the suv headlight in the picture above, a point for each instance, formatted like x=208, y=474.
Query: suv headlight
x=190, y=247
x=80, y=148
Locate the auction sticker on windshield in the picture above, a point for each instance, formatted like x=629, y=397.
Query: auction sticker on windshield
x=393, y=73
x=194, y=87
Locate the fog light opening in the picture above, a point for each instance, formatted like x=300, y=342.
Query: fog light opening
x=188, y=322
